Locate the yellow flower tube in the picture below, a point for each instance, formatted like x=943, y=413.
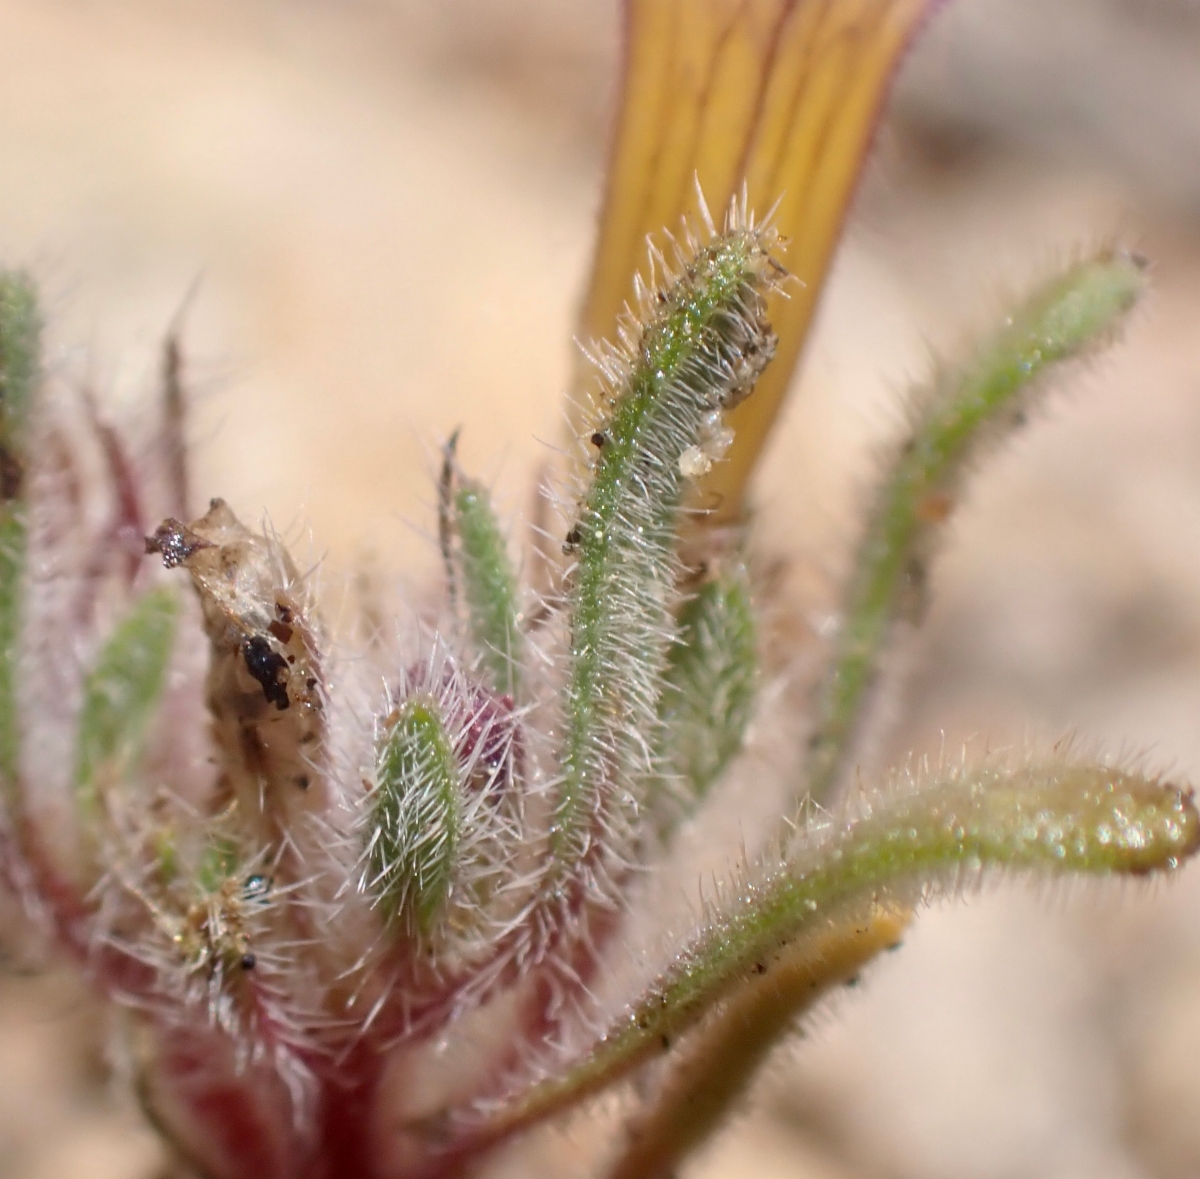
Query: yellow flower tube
x=781, y=96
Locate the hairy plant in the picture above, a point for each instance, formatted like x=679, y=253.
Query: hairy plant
x=368, y=903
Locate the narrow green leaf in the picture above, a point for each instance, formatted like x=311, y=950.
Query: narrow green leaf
x=123, y=688
x=709, y=689
x=697, y=348
x=1049, y=820
x=20, y=367
x=20, y=350
x=965, y=412
x=489, y=587
x=704, y=1082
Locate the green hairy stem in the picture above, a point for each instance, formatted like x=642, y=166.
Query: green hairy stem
x=1047, y=819
x=967, y=410
x=702, y=343
x=20, y=372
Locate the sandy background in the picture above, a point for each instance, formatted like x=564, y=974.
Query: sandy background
x=389, y=207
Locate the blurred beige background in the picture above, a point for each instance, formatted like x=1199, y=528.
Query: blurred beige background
x=388, y=206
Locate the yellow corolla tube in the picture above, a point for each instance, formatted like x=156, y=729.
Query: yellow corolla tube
x=780, y=96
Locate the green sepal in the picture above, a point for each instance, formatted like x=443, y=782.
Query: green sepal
x=413, y=846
